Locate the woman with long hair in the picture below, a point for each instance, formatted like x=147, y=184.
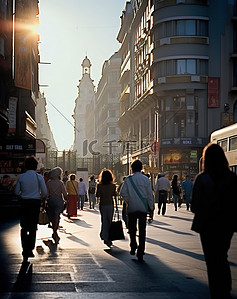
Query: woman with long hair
x=72, y=194
x=106, y=192
x=215, y=207
x=56, y=196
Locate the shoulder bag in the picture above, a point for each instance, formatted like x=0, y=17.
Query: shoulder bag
x=138, y=193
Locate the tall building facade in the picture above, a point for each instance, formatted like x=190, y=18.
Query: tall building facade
x=45, y=142
x=107, y=111
x=83, y=129
x=178, y=75
x=19, y=58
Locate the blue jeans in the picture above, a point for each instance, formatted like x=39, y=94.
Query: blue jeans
x=92, y=200
x=175, y=200
x=81, y=200
x=187, y=198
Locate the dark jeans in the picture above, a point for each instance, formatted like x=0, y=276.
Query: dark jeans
x=132, y=227
x=162, y=201
x=81, y=200
x=29, y=214
x=215, y=246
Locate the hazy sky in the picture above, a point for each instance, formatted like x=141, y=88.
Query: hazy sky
x=70, y=30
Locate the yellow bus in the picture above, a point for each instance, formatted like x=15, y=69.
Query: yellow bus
x=227, y=139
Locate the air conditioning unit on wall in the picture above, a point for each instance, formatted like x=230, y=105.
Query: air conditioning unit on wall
x=161, y=80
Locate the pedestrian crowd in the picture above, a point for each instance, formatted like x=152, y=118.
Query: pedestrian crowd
x=207, y=197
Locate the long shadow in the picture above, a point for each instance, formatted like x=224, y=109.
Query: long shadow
x=148, y=274
x=175, y=249
x=79, y=222
x=159, y=223
x=179, y=218
x=52, y=247
x=24, y=278
x=77, y=240
x=172, y=230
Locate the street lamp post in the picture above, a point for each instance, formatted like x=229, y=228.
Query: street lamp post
x=127, y=142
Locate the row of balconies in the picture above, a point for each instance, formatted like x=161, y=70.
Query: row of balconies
x=182, y=40
x=181, y=79
x=164, y=3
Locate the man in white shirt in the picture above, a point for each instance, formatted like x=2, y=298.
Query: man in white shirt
x=136, y=191
x=31, y=187
x=82, y=193
x=162, y=187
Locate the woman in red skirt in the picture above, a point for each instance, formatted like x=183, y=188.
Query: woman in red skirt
x=72, y=191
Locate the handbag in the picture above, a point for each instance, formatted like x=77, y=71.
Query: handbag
x=43, y=217
x=116, y=228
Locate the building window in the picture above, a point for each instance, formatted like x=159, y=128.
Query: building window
x=186, y=66
x=183, y=28
x=186, y=27
x=182, y=67
x=179, y=102
x=179, y=125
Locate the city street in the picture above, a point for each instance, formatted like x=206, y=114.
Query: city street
x=81, y=266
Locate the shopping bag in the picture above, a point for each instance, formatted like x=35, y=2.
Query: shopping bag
x=43, y=217
x=116, y=229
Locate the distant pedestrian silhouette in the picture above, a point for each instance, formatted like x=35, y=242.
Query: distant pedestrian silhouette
x=162, y=187
x=72, y=193
x=215, y=207
x=176, y=192
x=92, y=191
x=187, y=187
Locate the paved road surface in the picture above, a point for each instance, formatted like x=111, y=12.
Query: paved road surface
x=81, y=266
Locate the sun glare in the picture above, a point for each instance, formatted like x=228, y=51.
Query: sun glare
x=31, y=28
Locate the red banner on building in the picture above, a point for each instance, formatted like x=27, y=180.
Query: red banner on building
x=213, y=92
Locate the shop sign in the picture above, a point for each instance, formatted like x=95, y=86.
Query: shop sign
x=193, y=157
x=12, y=106
x=155, y=147
x=184, y=141
x=17, y=146
x=175, y=158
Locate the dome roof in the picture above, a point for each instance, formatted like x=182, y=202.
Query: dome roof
x=86, y=62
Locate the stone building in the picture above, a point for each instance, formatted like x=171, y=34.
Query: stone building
x=178, y=78
x=45, y=143
x=107, y=110
x=84, y=121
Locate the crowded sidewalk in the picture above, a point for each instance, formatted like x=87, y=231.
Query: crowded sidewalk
x=81, y=266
